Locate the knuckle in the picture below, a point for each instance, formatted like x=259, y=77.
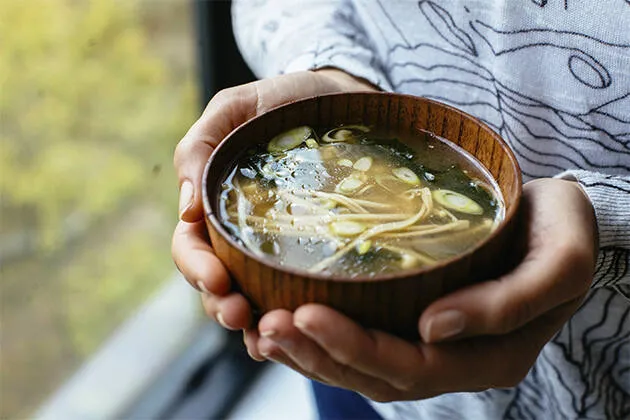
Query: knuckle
x=222, y=98
x=183, y=150
x=224, y=94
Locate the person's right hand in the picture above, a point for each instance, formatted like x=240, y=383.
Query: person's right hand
x=227, y=110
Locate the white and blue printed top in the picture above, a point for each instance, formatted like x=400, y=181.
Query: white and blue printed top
x=553, y=78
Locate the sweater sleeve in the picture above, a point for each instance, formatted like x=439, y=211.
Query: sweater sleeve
x=610, y=196
x=284, y=36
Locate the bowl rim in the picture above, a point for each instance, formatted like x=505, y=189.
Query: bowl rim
x=218, y=226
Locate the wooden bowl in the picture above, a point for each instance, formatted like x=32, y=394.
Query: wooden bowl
x=391, y=303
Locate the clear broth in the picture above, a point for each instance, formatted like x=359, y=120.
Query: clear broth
x=297, y=207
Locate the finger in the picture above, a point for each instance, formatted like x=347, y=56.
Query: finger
x=479, y=363
x=277, y=329
x=195, y=259
x=372, y=353
x=553, y=272
x=275, y=353
x=497, y=307
x=471, y=365
x=250, y=339
x=278, y=334
x=231, y=312
x=228, y=109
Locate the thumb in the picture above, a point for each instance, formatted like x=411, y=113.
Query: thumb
x=190, y=159
x=232, y=107
x=227, y=109
x=557, y=268
x=540, y=283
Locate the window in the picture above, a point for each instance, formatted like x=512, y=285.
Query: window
x=94, y=95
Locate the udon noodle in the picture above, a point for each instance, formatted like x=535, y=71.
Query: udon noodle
x=356, y=201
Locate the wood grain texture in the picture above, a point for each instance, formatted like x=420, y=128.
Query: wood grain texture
x=392, y=302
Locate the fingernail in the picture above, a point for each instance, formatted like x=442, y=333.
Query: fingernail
x=300, y=325
x=202, y=287
x=186, y=192
x=265, y=345
x=257, y=359
x=222, y=321
x=268, y=333
x=445, y=325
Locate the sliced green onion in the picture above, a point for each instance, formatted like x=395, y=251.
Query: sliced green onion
x=364, y=164
x=289, y=139
x=349, y=185
x=267, y=171
x=347, y=228
x=406, y=175
x=456, y=201
x=344, y=133
x=363, y=247
x=345, y=162
x=337, y=135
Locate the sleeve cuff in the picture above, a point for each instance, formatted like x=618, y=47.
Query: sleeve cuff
x=610, y=197
x=357, y=66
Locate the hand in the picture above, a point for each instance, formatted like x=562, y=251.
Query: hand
x=228, y=109
x=487, y=335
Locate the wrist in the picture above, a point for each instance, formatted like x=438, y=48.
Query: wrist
x=566, y=203
x=346, y=81
x=590, y=210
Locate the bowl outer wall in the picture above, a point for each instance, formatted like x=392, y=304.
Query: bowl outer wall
x=391, y=302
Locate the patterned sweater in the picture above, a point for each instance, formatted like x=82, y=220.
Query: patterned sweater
x=553, y=78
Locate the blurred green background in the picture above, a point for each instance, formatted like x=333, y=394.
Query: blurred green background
x=94, y=95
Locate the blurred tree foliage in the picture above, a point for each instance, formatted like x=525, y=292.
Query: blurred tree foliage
x=94, y=95
x=84, y=104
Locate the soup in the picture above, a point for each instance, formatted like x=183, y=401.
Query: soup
x=356, y=201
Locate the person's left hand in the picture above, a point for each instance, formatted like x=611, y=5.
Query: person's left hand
x=485, y=336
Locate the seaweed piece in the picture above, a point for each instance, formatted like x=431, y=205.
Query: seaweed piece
x=456, y=180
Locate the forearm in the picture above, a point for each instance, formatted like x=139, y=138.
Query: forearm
x=282, y=36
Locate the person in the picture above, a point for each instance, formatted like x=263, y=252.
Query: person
x=551, y=338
